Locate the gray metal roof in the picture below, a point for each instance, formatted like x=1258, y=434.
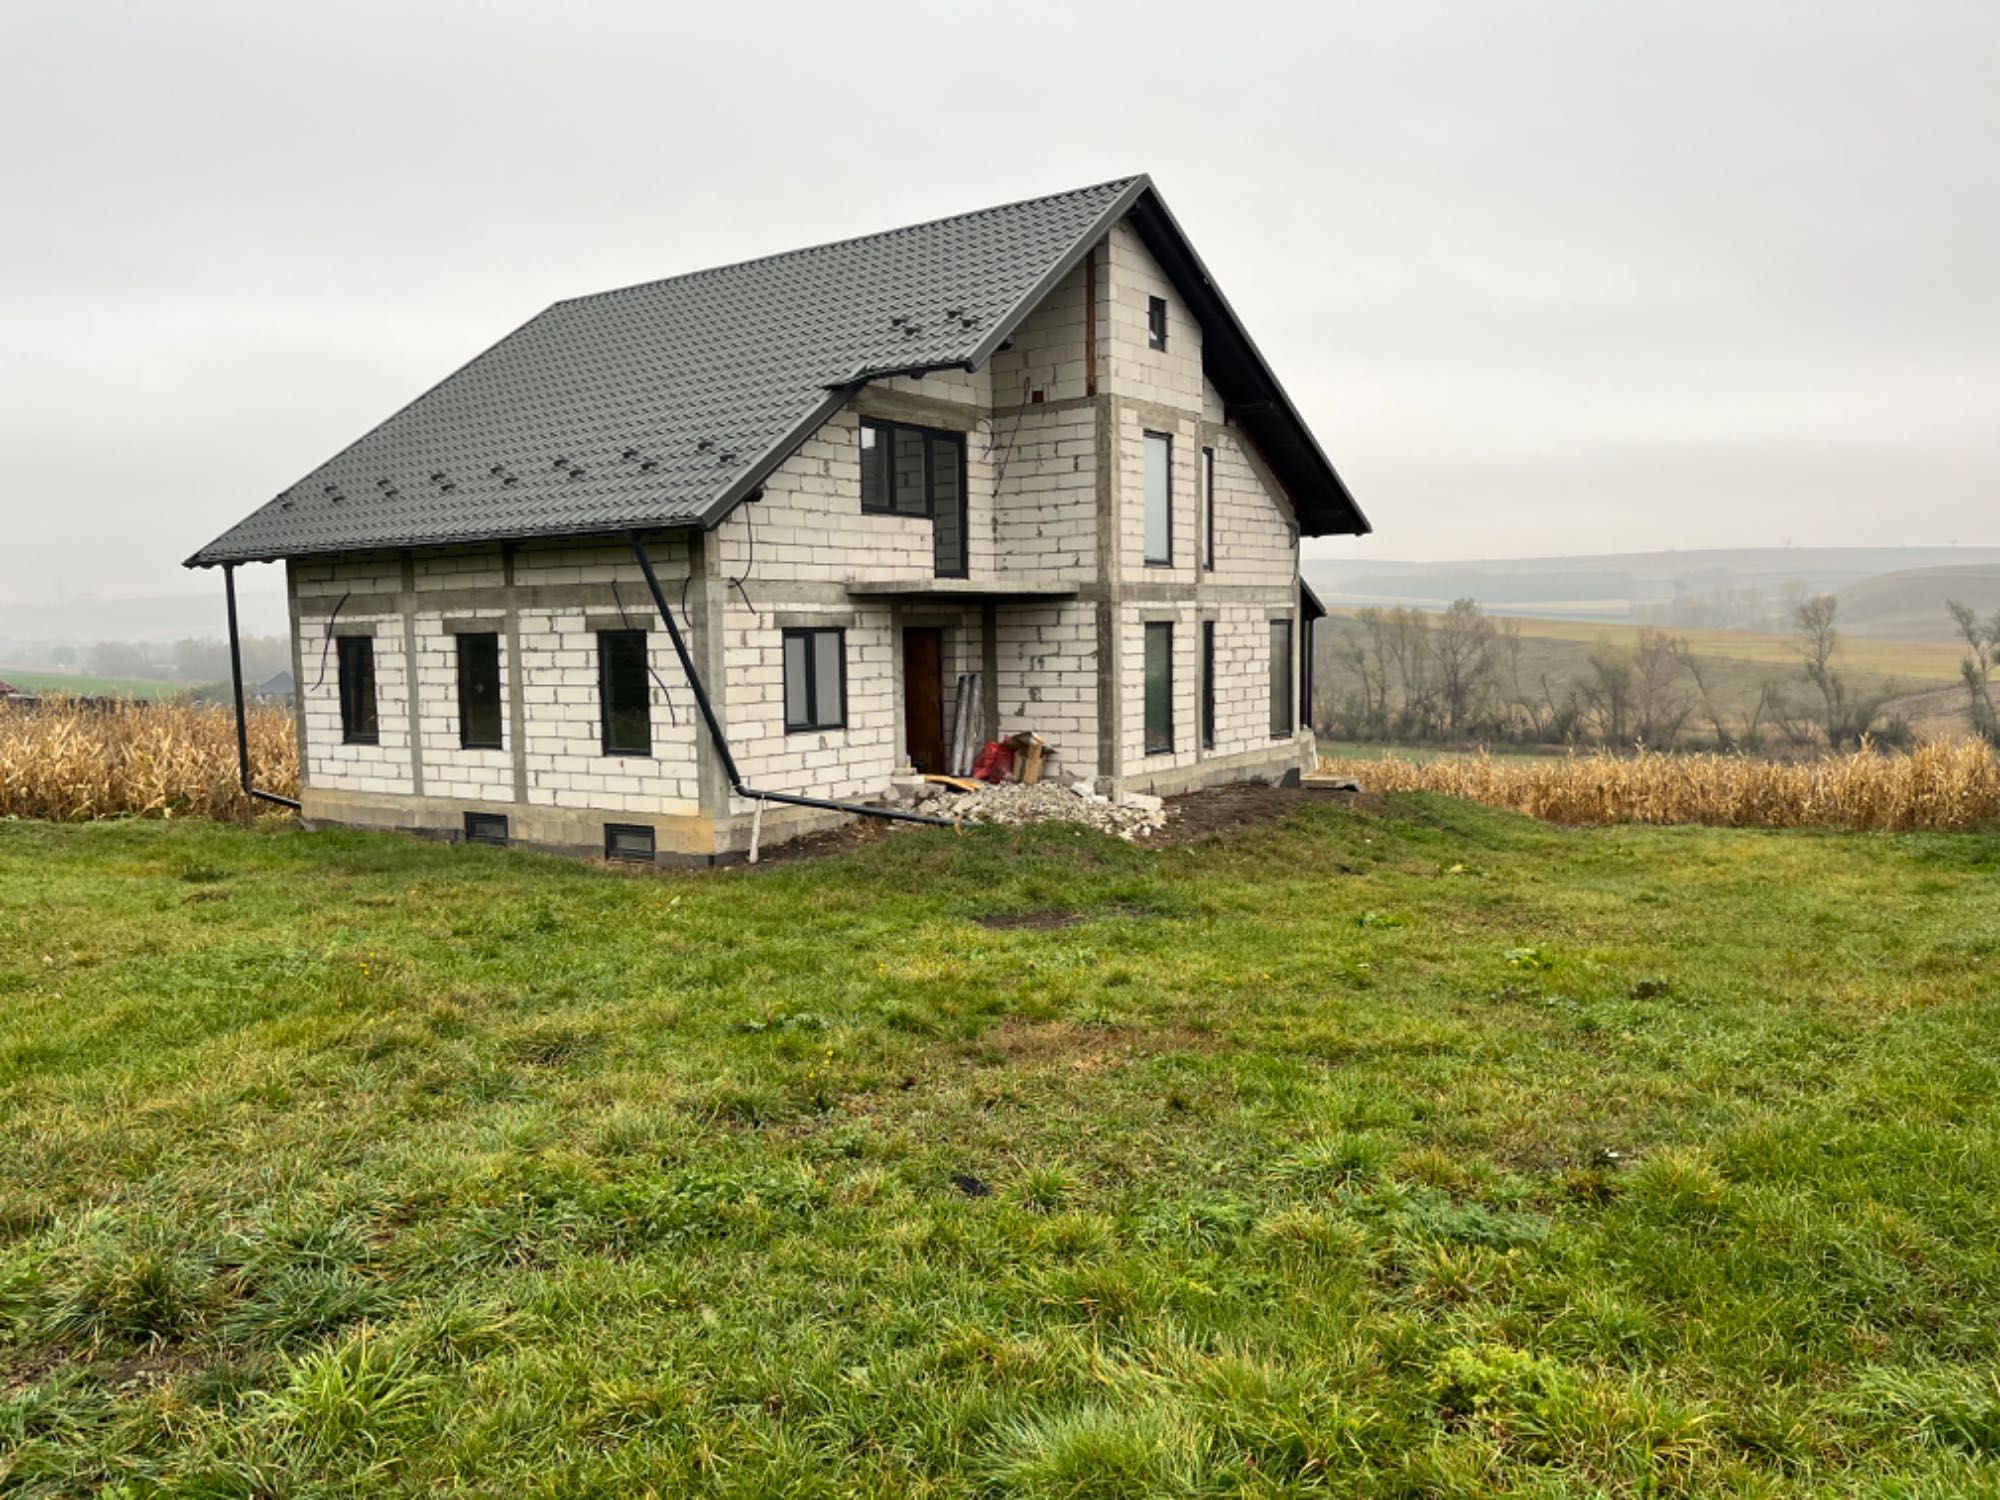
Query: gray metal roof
x=665, y=404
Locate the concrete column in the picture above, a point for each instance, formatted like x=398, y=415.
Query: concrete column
x=1110, y=706
x=989, y=668
x=707, y=621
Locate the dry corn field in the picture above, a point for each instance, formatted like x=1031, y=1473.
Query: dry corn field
x=1945, y=785
x=69, y=761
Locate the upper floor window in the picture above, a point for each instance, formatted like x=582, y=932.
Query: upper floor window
x=479, y=691
x=1208, y=510
x=1159, y=499
x=1156, y=322
x=909, y=471
x=918, y=471
x=624, y=704
x=358, y=723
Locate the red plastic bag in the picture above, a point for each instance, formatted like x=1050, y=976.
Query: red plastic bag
x=995, y=762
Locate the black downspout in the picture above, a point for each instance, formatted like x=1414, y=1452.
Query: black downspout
x=687, y=664
x=250, y=793
x=722, y=744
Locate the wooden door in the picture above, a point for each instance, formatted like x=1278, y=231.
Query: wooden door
x=923, y=698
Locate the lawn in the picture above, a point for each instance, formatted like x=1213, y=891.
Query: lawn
x=1415, y=1149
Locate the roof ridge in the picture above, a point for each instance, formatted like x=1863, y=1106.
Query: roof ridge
x=1117, y=183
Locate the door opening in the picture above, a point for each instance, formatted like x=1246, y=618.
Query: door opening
x=923, y=698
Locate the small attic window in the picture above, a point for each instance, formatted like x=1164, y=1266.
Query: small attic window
x=1156, y=322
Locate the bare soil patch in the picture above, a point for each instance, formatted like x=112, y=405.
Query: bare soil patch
x=1087, y=1049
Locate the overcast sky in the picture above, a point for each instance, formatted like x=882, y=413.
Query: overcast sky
x=1544, y=277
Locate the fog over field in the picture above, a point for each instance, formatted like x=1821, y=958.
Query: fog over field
x=1549, y=279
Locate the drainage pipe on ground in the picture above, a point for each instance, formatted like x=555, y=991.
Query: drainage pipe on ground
x=721, y=741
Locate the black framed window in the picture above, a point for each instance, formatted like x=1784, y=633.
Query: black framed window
x=1281, y=679
x=628, y=841
x=1208, y=510
x=1159, y=500
x=815, y=680
x=479, y=691
x=1208, y=684
x=486, y=828
x=1156, y=322
x=624, y=702
x=1159, y=688
x=918, y=471
x=358, y=722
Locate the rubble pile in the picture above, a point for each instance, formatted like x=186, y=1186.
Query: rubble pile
x=1132, y=816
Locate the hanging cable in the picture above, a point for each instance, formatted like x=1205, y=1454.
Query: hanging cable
x=672, y=717
x=327, y=644
x=1005, y=455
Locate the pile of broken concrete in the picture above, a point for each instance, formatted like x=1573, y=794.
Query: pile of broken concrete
x=1134, y=815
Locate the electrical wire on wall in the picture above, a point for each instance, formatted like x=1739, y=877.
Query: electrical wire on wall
x=749, y=562
x=327, y=644
x=995, y=454
x=672, y=717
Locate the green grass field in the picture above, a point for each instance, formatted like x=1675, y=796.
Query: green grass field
x=1408, y=1150
x=83, y=685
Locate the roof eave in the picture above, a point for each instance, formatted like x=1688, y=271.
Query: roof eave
x=1170, y=245
x=206, y=558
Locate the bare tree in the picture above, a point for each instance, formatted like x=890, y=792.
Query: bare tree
x=1409, y=644
x=1660, y=711
x=1982, y=640
x=1608, y=690
x=1704, y=694
x=1463, y=647
x=1851, y=709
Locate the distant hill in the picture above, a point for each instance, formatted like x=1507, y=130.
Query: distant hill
x=1709, y=588
x=1910, y=605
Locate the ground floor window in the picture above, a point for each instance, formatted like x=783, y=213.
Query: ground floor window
x=623, y=700
x=1208, y=684
x=1159, y=688
x=479, y=691
x=485, y=828
x=628, y=841
x=358, y=722
x=1281, y=679
x=815, y=680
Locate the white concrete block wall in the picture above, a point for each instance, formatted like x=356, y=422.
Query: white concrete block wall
x=1242, y=682
x=1167, y=377
x=1046, y=352
x=564, y=739
x=451, y=770
x=331, y=764
x=1256, y=540
x=1048, y=679
x=809, y=526
x=853, y=762
x=1243, y=676
x=1045, y=508
x=327, y=579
